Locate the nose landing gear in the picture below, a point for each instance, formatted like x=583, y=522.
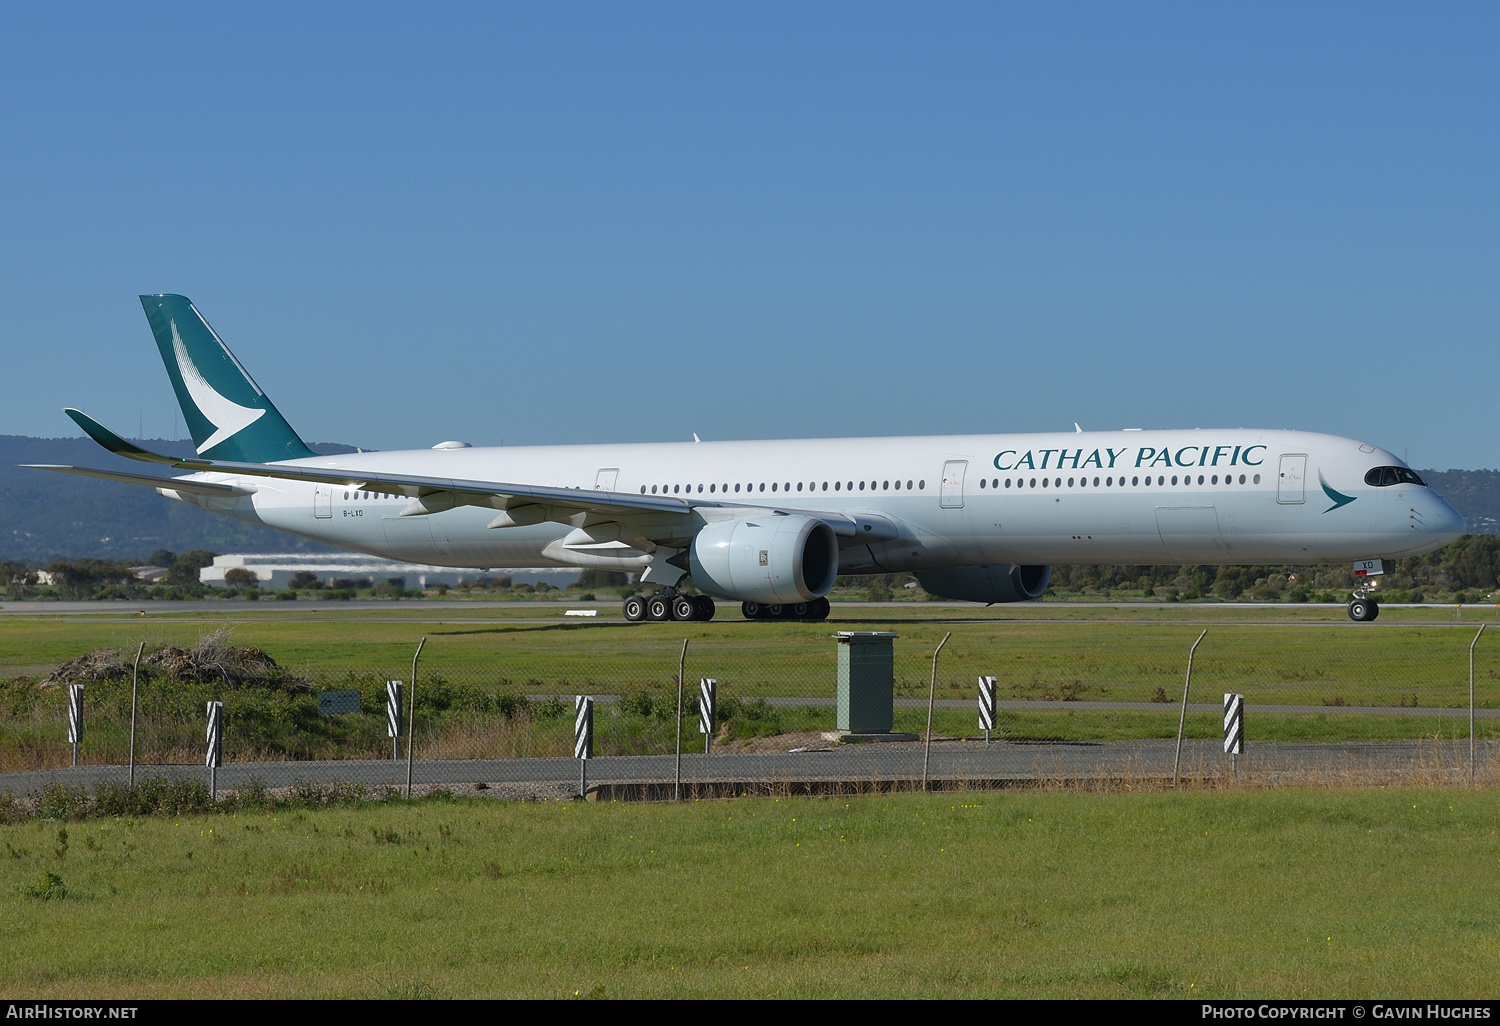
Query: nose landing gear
x=1362, y=608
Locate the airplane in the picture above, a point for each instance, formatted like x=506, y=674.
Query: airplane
x=771, y=524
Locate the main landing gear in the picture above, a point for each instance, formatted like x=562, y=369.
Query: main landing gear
x=808, y=612
x=1362, y=608
x=668, y=604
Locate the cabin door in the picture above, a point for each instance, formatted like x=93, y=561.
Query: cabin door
x=1290, y=490
x=952, y=496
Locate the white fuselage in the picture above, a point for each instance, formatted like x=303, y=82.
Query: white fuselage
x=1200, y=496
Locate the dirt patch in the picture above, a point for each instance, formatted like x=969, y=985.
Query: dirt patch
x=803, y=740
x=213, y=659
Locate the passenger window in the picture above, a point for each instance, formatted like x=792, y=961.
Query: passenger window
x=908, y=486
x=1174, y=478
x=773, y=486
x=837, y=485
x=983, y=483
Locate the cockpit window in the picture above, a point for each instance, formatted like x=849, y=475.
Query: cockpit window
x=1381, y=477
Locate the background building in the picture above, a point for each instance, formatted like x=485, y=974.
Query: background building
x=275, y=570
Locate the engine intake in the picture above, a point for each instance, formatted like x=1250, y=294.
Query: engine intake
x=1001, y=583
x=772, y=559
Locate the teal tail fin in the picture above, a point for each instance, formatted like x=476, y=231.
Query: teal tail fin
x=229, y=416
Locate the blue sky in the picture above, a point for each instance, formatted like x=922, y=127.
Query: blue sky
x=561, y=222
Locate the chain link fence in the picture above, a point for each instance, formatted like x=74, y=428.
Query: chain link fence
x=1079, y=704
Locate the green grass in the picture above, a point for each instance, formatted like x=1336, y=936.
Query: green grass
x=1275, y=655
x=1296, y=894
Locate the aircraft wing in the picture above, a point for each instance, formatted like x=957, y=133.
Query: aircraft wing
x=518, y=503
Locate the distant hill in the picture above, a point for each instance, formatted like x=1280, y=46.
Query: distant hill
x=1474, y=493
x=45, y=516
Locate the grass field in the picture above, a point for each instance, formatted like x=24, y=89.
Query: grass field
x=1292, y=655
x=1297, y=894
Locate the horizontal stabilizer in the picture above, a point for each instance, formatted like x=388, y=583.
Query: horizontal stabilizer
x=113, y=442
x=221, y=491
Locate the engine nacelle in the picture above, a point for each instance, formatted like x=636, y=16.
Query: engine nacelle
x=771, y=559
x=999, y=583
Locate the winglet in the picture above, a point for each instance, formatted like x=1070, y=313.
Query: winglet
x=113, y=442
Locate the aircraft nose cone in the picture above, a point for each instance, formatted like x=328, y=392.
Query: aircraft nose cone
x=1444, y=521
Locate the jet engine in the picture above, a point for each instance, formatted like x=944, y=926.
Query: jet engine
x=770, y=559
x=1000, y=583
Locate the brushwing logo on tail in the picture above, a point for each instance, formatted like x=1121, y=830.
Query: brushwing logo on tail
x=228, y=418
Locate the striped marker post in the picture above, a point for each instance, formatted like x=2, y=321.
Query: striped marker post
x=215, y=746
x=708, y=689
x=583, y=739
x=1234, y=726
x=987, y=706
x=75, y=718
x=393, y=717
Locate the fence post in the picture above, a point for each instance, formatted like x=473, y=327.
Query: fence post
x=677, y=776
x=135, y=684
x=393, y=717
x=931, y=696
x=411, y=718
x=215, y=747
x=1234, y=728
x=1471, y=702
x=75, y=718
x=583, y=739
x=987, y=706
x=1182, y=720
x=707, y=693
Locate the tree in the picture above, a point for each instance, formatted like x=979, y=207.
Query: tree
x=238, y=577
x=186, y=566
x=162, y=557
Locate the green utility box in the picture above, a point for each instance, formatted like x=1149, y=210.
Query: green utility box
x=867, y=682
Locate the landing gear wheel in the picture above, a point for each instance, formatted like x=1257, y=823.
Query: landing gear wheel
x=635, y=609
x=820, y=609
x=658, y=609
x=684, y=608
x=705, y=606
x=752, y=610
x=1363, y=610
x=775, y=611
x=800, y=610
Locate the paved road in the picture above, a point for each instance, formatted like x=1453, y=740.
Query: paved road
x=824, y=702
x=951, y=760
